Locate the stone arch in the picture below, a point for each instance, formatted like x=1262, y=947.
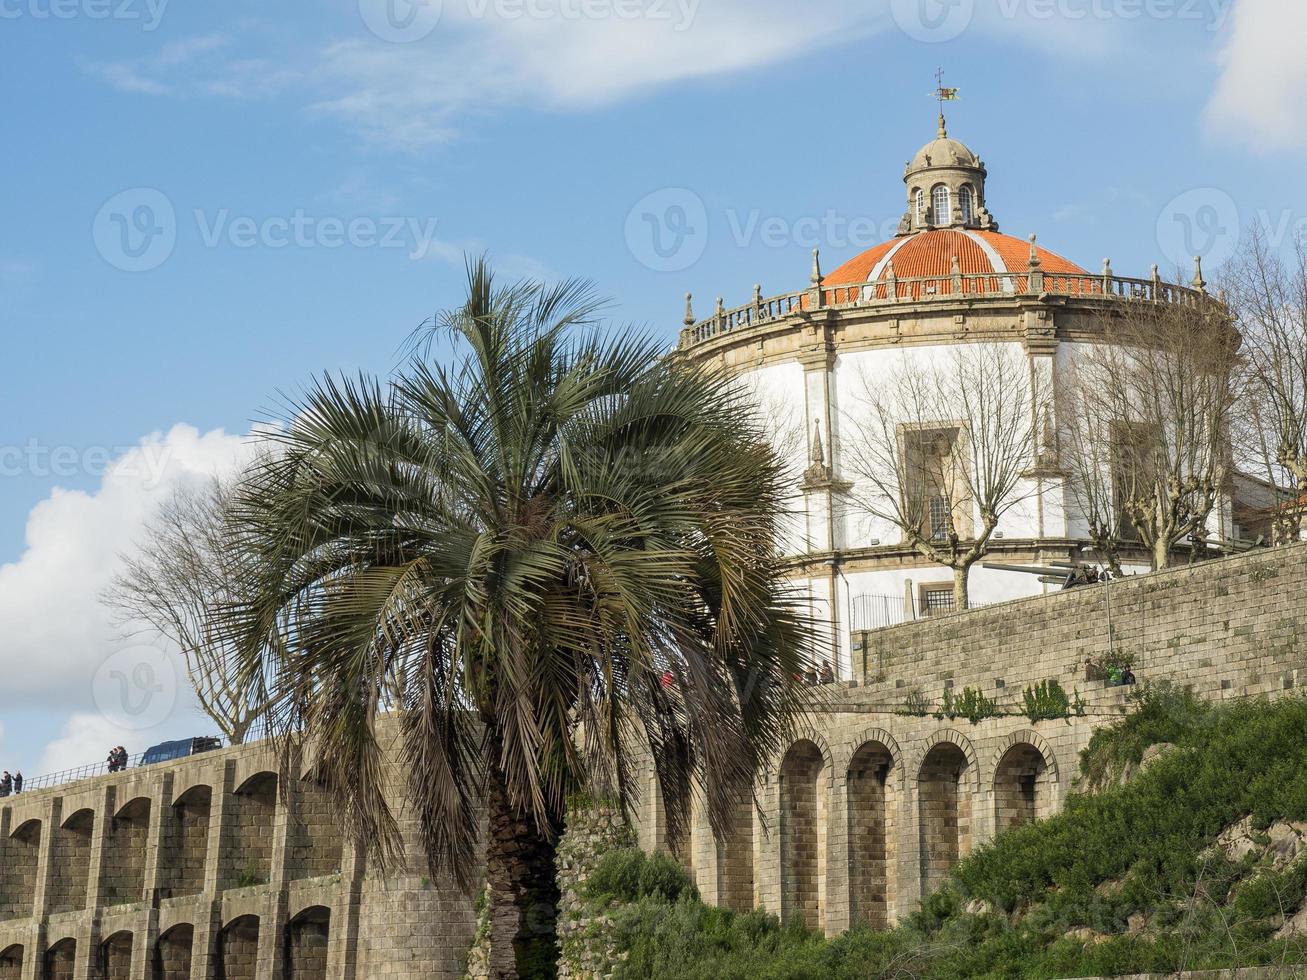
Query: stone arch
x=872, y=788
x=11, y=962
x=114, y=960
x=247, y=838
x=307, y=937
x=947, y=783
x=172, y=954
x=1025, y=780
x=20, y=855
x=59, y=960
x=804, y=801
x=129, y=835
x=186, y=842
x=71, y=862
x=238, y=949
x=315, y=839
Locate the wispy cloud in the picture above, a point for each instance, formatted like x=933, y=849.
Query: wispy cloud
x=1259, y=96
x=161, y=73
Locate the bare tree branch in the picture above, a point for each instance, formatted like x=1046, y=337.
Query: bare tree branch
x=182, y=572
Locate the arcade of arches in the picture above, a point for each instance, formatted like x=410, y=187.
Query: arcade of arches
x=860, y=832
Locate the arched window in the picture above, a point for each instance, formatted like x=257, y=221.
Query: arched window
x=921, y=206
x=942, y=206
x=966, y=201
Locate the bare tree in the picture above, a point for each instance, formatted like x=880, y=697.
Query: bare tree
x=1269, y=300
x=1085, y=453
x=941, y=448
x=182, y=573
x=1145, y=425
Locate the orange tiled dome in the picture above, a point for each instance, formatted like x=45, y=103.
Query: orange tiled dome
x=931, y=253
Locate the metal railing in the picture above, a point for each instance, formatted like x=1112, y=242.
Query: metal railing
x=47, y=780
x=874, y=612
x=890, y=290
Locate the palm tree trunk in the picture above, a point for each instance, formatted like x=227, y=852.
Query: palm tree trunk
x=521, y=889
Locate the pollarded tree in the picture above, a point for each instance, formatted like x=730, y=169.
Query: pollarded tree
x=1146, y=423
x=1269, y=300
x=555, y=548
x=941, y=449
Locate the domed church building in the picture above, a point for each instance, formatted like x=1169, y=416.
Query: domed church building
x=902, y=318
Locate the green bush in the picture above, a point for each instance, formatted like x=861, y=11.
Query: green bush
x=1048, y=700
x=628, y=875
x=970, y=704
x=1162, y=713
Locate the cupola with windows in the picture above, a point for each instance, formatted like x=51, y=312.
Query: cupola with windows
x=946, y=187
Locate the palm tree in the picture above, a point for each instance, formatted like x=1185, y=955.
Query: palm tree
x=552, y=554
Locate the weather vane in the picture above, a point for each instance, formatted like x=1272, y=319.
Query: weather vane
x=943, y=94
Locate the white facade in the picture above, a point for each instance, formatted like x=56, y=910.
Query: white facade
x=815, y=358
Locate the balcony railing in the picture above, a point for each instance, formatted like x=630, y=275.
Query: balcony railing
x=893, y=290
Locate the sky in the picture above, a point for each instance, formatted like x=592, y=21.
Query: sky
x=204, y=205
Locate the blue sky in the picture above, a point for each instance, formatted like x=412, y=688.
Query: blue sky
x=190, y=141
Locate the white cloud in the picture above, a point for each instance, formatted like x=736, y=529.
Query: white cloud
x=64, y=651
x=1259, y=95
x=408, y=95
x=86, y=739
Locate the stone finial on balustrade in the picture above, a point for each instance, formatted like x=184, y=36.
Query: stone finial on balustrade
x=955, y=271
x=1200, y=283
x=757, y=301
x=818, y=280
x=1157, y=282
x=689, y=309
x=1036, y=277
x=1107, y=276
x=721, y=311
x=891, y=282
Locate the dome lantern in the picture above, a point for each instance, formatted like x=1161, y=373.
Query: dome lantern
x=946, y=187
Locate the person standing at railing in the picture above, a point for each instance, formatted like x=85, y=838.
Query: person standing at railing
x=6, y=783
x=18, y=782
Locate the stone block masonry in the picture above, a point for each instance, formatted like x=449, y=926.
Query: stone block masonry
x=229, y=865
x=866, y=809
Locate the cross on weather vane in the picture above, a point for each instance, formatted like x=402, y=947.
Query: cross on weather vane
x=943, y=94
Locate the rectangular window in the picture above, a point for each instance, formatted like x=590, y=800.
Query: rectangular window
x=938, y=518
x=936, y=600
x=934, y=491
